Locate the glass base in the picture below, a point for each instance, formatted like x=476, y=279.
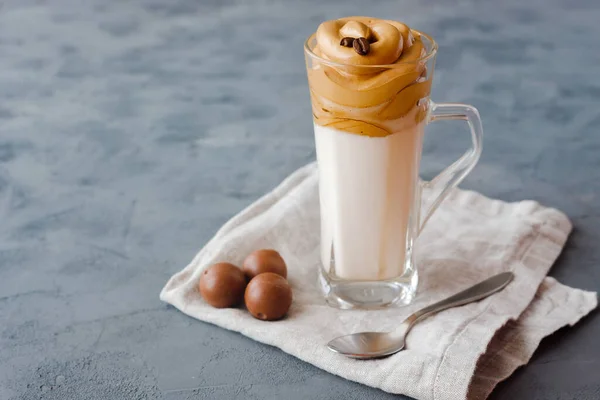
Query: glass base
x=368, y=294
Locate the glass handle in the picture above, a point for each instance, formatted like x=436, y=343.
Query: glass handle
x=455, y=173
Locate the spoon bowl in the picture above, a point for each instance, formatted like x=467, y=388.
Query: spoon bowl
x=371, y=345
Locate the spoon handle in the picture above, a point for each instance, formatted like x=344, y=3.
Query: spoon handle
x=474, y=293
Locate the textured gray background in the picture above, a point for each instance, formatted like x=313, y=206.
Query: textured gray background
x=131, y=130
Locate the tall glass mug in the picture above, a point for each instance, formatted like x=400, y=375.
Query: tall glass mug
x=369, y=119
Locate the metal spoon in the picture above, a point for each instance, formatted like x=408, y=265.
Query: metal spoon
x=366, y=345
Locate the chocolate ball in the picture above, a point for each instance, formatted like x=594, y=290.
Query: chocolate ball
x=262, y=261
x=268, y=296
x=222, y=285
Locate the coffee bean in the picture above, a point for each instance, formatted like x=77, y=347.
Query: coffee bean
x=347, y=42
x=361, y=46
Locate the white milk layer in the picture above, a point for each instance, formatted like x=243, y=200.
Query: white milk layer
x=367, y=192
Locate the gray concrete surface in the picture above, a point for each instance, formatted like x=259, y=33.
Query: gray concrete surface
x=131, y=130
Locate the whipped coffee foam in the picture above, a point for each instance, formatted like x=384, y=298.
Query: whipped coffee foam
x=367, y=94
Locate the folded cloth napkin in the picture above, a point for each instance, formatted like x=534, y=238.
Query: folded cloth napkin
x=461, y=353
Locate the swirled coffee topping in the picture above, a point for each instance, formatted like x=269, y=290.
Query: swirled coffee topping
x=376, y=77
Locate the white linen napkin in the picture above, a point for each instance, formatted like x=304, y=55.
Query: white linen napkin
x=461, y=353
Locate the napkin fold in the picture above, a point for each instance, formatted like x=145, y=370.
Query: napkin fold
x=461, y=353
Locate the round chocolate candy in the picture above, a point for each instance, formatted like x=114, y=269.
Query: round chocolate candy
x=262, y=261
x=222, y=285
x=268, y=296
